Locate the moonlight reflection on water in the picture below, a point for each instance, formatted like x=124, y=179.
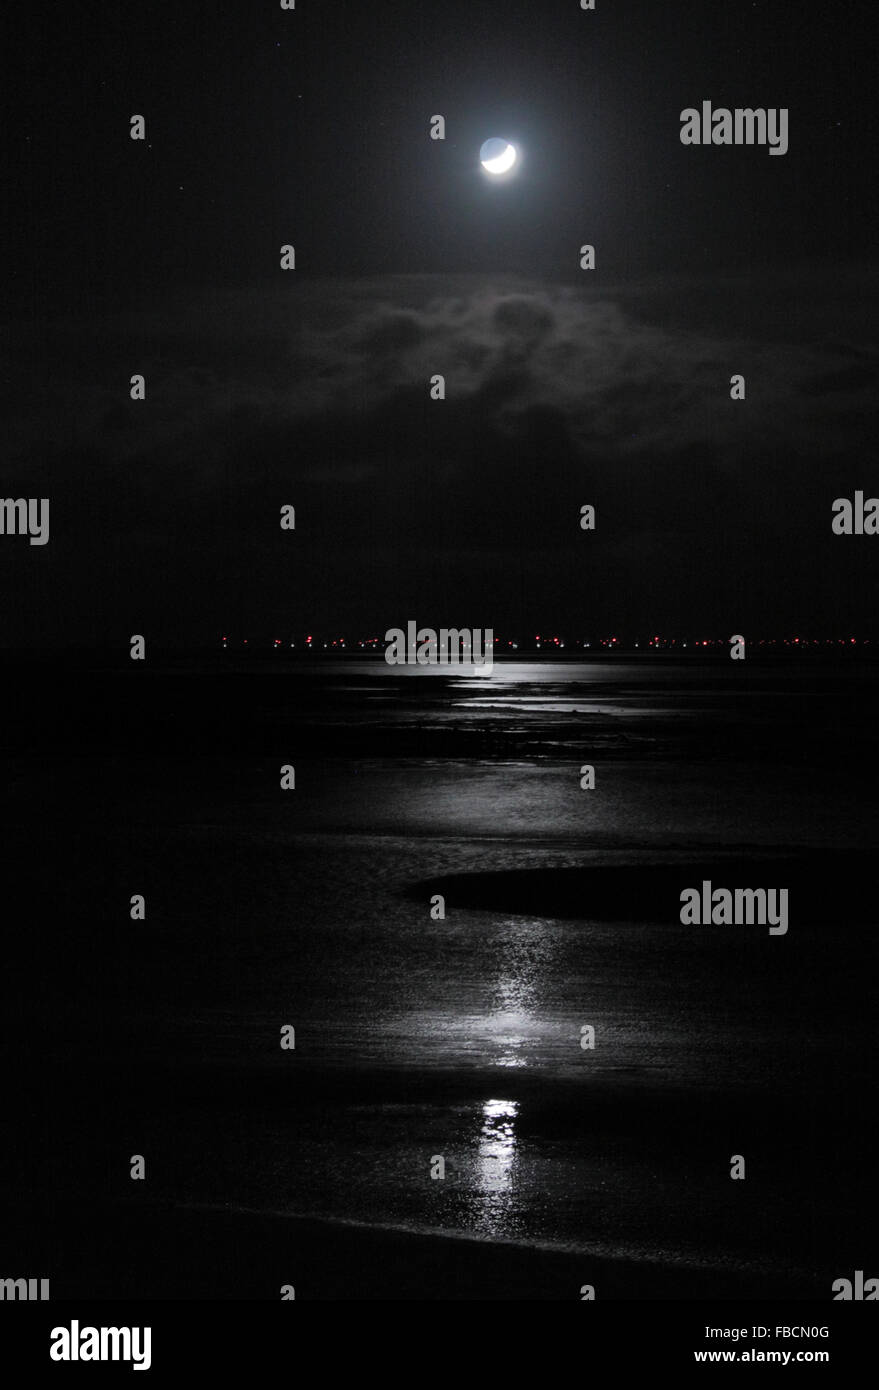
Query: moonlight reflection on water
x=496, y=1159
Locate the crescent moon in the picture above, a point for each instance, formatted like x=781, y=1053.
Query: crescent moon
x=502, y=163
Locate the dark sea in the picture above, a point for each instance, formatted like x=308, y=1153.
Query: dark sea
x=426, y=1041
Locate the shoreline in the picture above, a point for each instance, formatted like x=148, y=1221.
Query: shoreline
x=158, y=1252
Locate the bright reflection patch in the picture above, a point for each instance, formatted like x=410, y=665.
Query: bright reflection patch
x=497, y=1145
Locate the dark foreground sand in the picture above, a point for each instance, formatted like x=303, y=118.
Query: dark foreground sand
x=177, y=1253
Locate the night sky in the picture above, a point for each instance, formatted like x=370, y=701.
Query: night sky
x=311, y=387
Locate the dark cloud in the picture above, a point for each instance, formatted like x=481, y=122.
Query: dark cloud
x=392, y=333
x=317, y=394
x=854, y=378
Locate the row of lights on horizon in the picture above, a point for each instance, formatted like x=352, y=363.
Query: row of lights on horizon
x=657, y=642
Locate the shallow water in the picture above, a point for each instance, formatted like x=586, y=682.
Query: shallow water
x=460, y=1038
